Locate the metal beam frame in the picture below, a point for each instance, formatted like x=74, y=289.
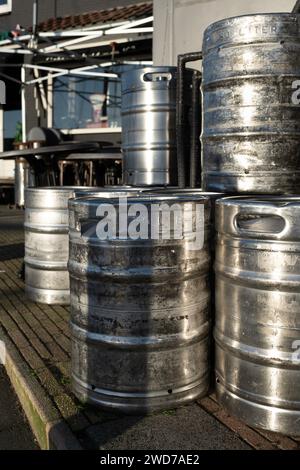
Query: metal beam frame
x=82, y=71
x=4, y=50
x=31, y=44
x=80, y=31
x=10, y=41
x=78, y=36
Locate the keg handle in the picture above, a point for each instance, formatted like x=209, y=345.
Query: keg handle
x=156, y=77
x=260, y=224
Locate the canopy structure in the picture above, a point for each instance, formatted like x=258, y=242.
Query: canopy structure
x=75, y=45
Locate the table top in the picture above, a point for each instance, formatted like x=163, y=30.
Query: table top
x=94, y=156
x=54, y=149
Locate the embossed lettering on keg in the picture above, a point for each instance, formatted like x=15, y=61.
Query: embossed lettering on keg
x=140, y=317
x=257, y=329
x=251, y=126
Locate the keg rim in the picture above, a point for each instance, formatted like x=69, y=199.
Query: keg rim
x=280, y=14
x=88, y=188
x=126, y=76
x=276, y=200
x=156, y=68
x=143, y=197
x=159, y=68
x=177, y=190
x=59, y=188
x=117, y=189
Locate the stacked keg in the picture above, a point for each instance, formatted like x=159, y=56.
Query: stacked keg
x=257, y=327
x=149, y=125
x=47, y=244
x=141, y=305
x=140, y=308
x=251, y=121
x=47, y=240
x=250, y=145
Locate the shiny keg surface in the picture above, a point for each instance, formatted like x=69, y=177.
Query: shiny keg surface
x=140, y=312
x=175, y=190
x=257, y=330
x=149, y=125
x=23, y=178
x=47, y=240
x=46, y=245
x=251, y=125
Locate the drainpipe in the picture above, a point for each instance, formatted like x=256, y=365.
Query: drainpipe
x=183, y=59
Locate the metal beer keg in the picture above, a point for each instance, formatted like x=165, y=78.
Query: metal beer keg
x=257, y=328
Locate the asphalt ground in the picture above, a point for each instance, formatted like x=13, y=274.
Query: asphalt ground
x=15, y=433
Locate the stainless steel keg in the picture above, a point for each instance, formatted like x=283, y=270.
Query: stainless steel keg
x=47, y=240
x=47, y=244
x=23, y=179
x=257, y=329
x=251, y=125
x=140, y=319
x=175, y=190
x=149, y=125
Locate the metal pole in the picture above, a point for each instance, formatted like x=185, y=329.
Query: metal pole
x=35, y=18
x=23, y=104
x=50, y=100
x=1, y=128
x=195, y=130
x=183, y=59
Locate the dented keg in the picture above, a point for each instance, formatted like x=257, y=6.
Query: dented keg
x=251, y=126
x=257, y=329
x=140, y=307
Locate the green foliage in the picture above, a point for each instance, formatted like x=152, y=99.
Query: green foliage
x=18, y=134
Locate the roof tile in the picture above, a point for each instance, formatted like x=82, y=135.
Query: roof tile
x=135, y=11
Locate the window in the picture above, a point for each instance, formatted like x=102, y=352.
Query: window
x=88, y=103
x=5, y=6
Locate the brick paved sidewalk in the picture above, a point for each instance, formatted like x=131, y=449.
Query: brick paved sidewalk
x=38, y=364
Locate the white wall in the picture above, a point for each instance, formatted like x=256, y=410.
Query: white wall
x=179, y=24
x=7, y=171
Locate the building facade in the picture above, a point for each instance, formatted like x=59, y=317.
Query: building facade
x=80, y=104
x=13, y=12
x=181, y=23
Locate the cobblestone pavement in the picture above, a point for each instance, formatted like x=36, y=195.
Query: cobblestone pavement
x=41, y=334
